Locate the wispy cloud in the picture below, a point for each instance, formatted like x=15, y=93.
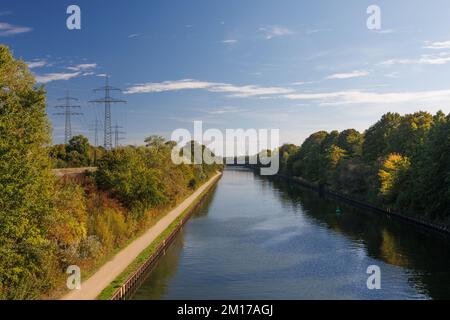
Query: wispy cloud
x=229, y=41
x=152, y=87
x=134, y=35
x=7, y=29
x=349, y=75
x=361, y=97
x=49, y=77
x=225, y=110
x=36, y=64
x=82, y=67
x=432, y=59
x=302, y=83
x=437, y=45
x=189, y=84
x=271, y=32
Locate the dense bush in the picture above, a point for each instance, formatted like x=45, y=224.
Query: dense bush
x=77, y=153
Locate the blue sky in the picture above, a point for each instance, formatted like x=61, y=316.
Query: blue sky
x=299, y=66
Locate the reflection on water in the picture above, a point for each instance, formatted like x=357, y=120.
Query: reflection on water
x=257, y=238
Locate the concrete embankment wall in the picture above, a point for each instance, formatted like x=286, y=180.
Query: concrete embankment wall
x=367, y=205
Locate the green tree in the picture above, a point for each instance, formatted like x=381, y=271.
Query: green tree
x=410, y=134
x=428, y=190
x=377, y=136
x=78, y=152
x=128, y=175
x=155, y=142
x=391, y=175
x=351, y=141
x=308, y=162
x=25, y=178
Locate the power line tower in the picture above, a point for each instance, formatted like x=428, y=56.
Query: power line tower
x=117, y=134
x=68, y=113
x=107, y=100
x=95, y=128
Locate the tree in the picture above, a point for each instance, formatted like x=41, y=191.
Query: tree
x=429, y=186
x=377, y=136
x=67, y=224
x=128, y=175
x=391, y=175
x=286, y=152
x=308, y=163
x=410, y=134
x=25, y=178
x=155, y=142
x=351, y=141
x=78, y=152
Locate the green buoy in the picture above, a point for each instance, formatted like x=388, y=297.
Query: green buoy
x=338, y=211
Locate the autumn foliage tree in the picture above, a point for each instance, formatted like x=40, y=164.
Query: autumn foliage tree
x=25, y=179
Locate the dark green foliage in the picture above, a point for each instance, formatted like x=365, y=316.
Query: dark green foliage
x=376, y=137
x=77, y=153
x=128, y=175
x=402, y=162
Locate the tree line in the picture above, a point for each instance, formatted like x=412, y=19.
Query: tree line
x=400, y=162
x=47, y=224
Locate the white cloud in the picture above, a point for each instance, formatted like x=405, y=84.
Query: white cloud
x=353, y=74
x=437, y=45
x=249, y=90
x=430, y=59
x=361, y=97
x=189, y=84
x=84, y=66
x=49, y=77
x=134, y=35
x=271, y=32
x=225, y=110
x=168, y=86
x=36, y=64
x=7, y=29
x=229, y=41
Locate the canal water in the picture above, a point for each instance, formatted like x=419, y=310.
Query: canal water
x=255, y=238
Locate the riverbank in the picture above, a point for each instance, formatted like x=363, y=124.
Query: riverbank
x=259, y=238
x=94, y=285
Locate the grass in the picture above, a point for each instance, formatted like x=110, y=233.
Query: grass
x=108, y=292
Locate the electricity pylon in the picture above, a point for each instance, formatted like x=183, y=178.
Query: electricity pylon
x=117, y=134
x=107, y=100
x=68, y=113
x=95, y=128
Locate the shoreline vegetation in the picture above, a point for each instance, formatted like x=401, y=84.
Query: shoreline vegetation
x=400, y=165
x=49, y=223
x=108, y=292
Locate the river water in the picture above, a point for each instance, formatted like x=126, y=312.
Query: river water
x=256, y=238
